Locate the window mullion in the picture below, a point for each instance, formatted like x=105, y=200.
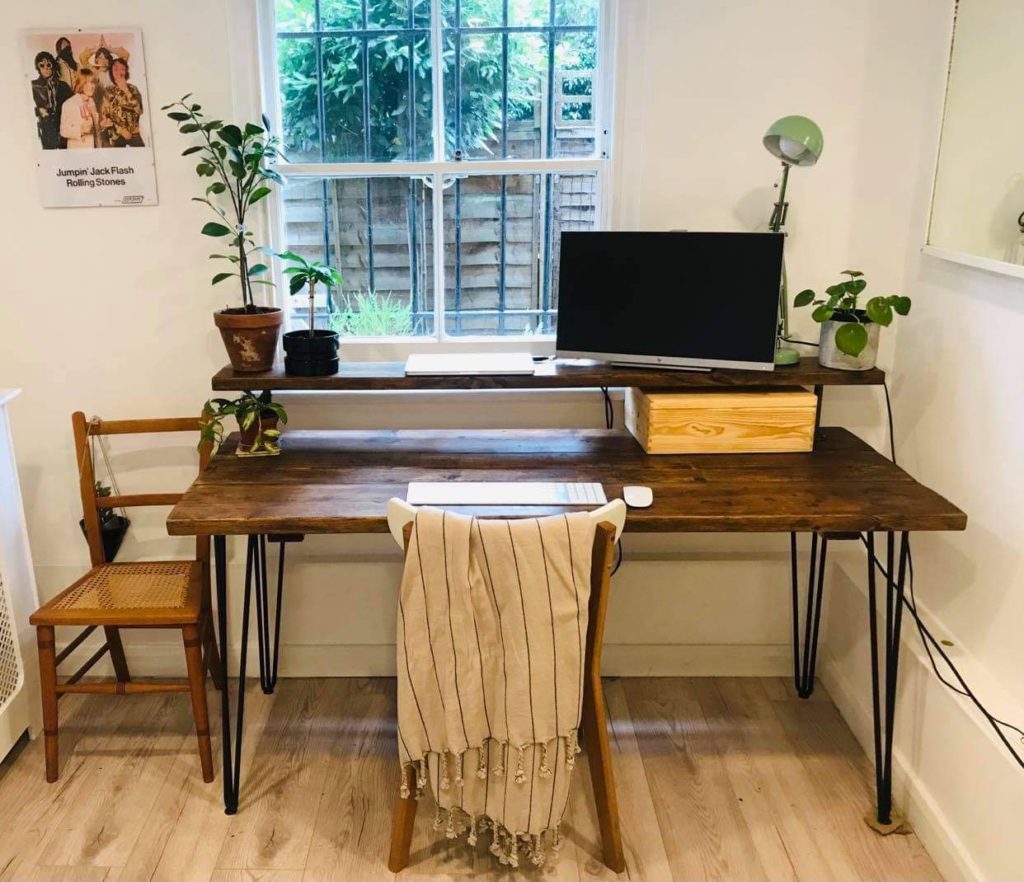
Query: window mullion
x=437, y=192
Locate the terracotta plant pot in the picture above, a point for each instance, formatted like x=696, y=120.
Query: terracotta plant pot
x=247, y=437
x=250, y=337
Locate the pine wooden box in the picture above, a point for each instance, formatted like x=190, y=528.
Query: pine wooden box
x=779, y=420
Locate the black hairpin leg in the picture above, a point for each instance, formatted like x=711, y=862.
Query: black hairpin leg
x=805, y=661
x=232, y=753
x=883, y=682
x=269, y=644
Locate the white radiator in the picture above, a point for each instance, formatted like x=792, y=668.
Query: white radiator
x=19, y=699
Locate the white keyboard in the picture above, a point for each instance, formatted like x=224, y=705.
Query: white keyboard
x=504, y=493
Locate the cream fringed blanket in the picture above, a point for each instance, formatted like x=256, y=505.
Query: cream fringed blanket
x=492, y=632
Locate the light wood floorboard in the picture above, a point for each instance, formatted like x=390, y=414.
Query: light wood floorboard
x=717, y=778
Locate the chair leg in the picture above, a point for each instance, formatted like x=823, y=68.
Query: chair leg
x=192, y=638
x=599, y=755
x=402, y=821
x=117, y=656
x=211, y=654
x=48, y=688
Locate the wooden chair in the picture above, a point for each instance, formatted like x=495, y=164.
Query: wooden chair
x=112, y=596
x=610, y=519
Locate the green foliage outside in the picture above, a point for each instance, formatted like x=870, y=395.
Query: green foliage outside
x=398, y=131
x=368, y=314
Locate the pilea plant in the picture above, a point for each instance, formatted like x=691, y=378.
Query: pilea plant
x=257, y=417
x=841, y=305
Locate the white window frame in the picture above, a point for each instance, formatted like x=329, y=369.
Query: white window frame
x=437, y=168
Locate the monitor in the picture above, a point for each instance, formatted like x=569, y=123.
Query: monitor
x=686, y=300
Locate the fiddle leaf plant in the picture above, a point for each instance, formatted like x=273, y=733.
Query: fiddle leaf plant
x=307, y=274
x=249, y=410
x=841, y=305
x=238, y=160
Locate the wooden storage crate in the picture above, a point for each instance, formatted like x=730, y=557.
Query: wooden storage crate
x=777, y=420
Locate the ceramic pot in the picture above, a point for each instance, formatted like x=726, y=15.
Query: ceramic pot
x=113, y=528
x=250, y=337
x=247, y=437
x=830, y=356
x=311, y=356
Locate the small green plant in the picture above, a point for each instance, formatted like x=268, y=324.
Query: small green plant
x=237, y=158
x=841, y=306
x=373, y=315
x=250, y=411
x=307, y=273
x=102, y=491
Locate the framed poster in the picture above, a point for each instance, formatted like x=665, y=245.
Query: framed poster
x=86, y=91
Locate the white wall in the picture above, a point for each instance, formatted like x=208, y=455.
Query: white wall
x=134, y=337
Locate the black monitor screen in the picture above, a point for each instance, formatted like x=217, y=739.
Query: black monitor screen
x=701, y=299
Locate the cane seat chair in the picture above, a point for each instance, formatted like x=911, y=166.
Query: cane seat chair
x=146, y=594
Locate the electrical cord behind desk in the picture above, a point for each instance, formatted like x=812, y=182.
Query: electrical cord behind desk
x=928, y=641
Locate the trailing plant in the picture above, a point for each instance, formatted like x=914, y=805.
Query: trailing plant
x=307, y=273
x=841, y=305
x=249, y=410
x=373, y=315
x=236, y=158
x=106, y=514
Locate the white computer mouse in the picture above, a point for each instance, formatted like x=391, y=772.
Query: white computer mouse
x=638, y=497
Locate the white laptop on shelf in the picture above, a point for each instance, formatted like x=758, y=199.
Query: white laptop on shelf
x=435, y=364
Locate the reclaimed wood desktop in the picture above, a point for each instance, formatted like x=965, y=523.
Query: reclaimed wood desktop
x=340, y=481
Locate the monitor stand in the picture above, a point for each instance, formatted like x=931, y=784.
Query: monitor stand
x=662, y=367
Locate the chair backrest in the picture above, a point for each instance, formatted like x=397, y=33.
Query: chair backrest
x=401, y=513
x=92, y=504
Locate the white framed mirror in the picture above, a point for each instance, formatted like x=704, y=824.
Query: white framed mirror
x=977, y=212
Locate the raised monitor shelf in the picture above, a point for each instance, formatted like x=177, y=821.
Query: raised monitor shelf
x=559, y=374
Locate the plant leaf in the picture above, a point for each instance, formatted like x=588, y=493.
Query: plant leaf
x=215, y=229
x=178, y=115
x=230, y=134
x=803, y=298
x=220, y=277
x=257, y=268
x=190, y=150
x=851, y=338
x=252, y=129
x=900, y=304
x=258, y=194
x=823, y=313
x=879, y=311
x=853, y=274
x=296, y=284
x=855, y=286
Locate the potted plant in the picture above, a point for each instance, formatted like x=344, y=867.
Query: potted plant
x=310, y=353
x=236, y=159
x=258, y=420
x=849, y=334
x=113, y=526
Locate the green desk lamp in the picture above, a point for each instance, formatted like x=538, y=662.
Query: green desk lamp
x=796, y=140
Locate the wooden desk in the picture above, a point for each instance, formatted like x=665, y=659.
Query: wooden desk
x=339, y=482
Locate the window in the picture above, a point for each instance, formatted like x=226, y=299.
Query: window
x=439, y=198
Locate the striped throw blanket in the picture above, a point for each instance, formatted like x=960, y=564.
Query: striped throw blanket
x=492, y=632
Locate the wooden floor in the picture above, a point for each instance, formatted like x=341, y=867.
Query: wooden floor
x=717, y=779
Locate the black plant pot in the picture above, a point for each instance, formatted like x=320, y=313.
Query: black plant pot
x=306, y=356
x=112, y=531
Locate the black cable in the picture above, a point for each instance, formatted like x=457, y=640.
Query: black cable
x=618, y=557
x=609, y=409
x=801, y=342
x=928, y=641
